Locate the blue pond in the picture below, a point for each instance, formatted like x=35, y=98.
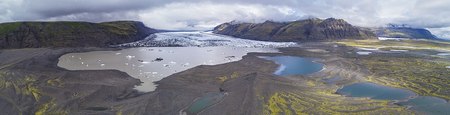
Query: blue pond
x=422, y=104
x=375, y=91
x=428, y=105
x=204, y=102
x=292, y=65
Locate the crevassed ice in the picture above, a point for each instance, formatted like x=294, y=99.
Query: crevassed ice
x=202, y=39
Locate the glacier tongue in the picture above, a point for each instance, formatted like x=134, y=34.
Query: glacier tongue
x=201, y=39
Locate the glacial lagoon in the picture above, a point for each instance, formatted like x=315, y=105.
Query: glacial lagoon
x=292, y=65
x=150, y=64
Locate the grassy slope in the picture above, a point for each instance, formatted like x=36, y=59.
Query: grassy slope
x=403, y=44
x=8, y=27
x=319, y=101
x=122, y=26
x=423, y=76
x=74, y=34
x=404, y=33
x=310, y=29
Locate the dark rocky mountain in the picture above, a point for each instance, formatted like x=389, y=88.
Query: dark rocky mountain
x=303, y=30
x=403, y=32
x=70, y=34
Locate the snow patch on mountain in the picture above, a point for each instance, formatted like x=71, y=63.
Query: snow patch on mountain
x=201, y=39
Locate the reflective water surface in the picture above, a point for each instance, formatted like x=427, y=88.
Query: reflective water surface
x=293, y=65
x=150, y=64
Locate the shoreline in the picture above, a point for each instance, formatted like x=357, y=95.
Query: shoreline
x=253, y=83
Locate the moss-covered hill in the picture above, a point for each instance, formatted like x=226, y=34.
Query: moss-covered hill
x=313, y=29
x=403, y=32
x=70, y=34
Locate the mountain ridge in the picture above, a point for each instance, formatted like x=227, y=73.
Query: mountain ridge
x=70, y=34
x=312, y=29
x=403, y=32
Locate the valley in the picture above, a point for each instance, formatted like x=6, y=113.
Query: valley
x=247, y=85
x=224, y=57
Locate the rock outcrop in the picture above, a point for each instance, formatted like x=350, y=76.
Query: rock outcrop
x=313, y=29
x=70, y=34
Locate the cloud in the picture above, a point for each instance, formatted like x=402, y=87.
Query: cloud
x=443, y=33
x=207, y=15
x=97, y=17
x=30, y=10
x=8, y=8
x=204, y=14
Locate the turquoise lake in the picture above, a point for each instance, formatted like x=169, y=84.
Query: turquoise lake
x=292, y=65
x=423, y=104
x=204, y=102
x=428, y=105
x=375, y=91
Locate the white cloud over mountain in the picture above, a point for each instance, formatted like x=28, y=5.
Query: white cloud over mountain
x=205, y=14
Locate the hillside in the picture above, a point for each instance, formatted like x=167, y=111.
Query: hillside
x=70, y=34
x=303, y=30
x=403, y=32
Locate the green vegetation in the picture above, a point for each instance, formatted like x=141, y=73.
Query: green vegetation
x=8, y=27
x=425, y=77
x=118, y=109
x=403, y=44
x=312, y=96
x=121, y=27
x=289, y=103
x=45, y=109
x=308, y=29
x=23, y=86
x=71, y=34
x=225, y=78
x=396, y=34
x=428, y=77
x=26, y=86
x=78, y=25
x=403, y=32
x=54, y=82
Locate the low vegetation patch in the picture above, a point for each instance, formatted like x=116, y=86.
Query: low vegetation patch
x=425, y=77
x=290, y=103
x=403, y=44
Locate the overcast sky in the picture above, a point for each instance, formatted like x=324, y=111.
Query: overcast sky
x=205, y=14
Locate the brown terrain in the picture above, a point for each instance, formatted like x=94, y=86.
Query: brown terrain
x=34, y=84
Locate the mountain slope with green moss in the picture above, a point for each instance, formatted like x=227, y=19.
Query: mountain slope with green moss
x=403, y=32
x=313, y=29
x=70, y=34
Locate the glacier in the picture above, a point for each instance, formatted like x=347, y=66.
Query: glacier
x=201, y=39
